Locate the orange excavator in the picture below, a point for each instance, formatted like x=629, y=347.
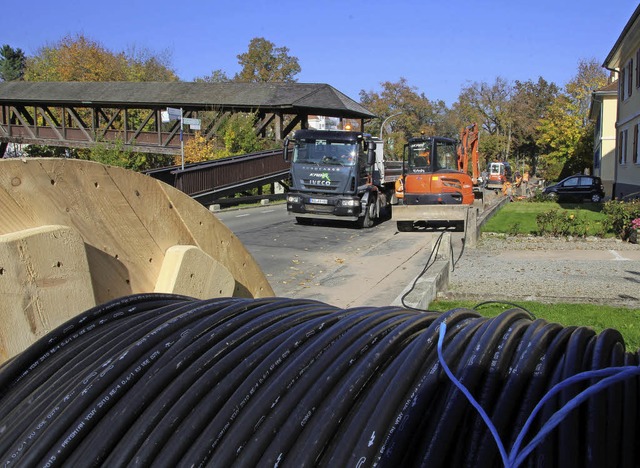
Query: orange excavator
x=435, y=184
x=436, y=170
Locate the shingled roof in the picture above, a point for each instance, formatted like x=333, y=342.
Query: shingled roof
x=309, y=98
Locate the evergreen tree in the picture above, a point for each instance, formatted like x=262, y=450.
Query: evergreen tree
x=12, y=63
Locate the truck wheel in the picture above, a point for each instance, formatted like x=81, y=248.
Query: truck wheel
x=366, y=221
x=405, y=226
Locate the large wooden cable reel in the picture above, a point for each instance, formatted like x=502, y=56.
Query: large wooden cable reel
x=74, y=234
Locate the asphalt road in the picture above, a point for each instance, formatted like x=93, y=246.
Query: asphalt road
x=331, y=261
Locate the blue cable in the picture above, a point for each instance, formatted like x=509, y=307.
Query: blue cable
x=616, y=374
x=515, y=458
x=472, y=400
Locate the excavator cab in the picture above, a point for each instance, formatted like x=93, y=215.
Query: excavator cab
x=431, y=175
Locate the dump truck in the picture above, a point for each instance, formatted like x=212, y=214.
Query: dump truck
x=340, y=175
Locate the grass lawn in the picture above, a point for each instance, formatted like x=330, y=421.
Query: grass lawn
x=626, y=321
x=519, y=217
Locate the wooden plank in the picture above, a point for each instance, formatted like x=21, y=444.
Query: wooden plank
x=189, y=271
x=44, y=281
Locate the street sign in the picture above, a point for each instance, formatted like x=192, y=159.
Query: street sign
x=164, y=116
x=194, y=124
x=174, y=114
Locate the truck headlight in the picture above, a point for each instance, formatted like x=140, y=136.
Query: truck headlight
x=293, y=199
x=350, y=202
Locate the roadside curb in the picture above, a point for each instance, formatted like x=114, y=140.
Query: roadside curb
x=436, y=278
x=426, y=287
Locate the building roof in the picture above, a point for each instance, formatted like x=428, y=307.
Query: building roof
x=309, y=98
x=614, y=57
x=608, y=91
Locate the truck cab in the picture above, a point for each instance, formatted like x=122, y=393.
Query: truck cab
x=334, y=175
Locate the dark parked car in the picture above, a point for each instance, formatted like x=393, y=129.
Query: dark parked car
x=577, y=188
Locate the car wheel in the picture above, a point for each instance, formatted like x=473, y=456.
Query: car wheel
x=552, y=196
x=596, y=198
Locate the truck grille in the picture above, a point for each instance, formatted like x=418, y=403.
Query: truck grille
x=318, y=208
x=332, y=187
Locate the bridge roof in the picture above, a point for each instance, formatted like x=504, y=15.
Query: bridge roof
x=308, y=98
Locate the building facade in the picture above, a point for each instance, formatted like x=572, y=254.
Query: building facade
x=624, y=61
x=603, y=113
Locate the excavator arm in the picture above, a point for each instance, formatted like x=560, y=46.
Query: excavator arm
x=468, y=149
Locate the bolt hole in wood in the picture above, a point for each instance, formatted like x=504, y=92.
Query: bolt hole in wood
x=53, y=182
x=58, y=264
x=96, y=185
x=137, y=193
x=1, y=271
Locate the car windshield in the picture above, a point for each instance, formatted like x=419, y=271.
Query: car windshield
x=326, y=152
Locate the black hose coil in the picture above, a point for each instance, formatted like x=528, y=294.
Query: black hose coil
x=166, y=380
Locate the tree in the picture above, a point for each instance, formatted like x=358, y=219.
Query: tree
x=79, y=58
x=12, y=63
x=565, y=133
x=417, y=114
x=216, y=76
x=530, y=102
x=489, y=106
x=590, y=77
x=145, y=65
x=265, y=63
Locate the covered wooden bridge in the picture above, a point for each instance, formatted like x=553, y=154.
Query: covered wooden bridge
x=83, y=114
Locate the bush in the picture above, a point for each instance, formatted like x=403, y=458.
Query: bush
x=619, y=215
x=562, y=223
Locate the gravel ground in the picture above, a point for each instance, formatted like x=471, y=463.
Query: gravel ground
x=599, y=271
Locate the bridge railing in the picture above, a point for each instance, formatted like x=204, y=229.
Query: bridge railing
x=223, y=176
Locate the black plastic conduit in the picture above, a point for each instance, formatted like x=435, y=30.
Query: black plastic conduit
x=166, y=380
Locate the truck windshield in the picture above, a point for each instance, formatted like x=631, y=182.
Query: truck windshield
x=326, y=152
x=496, y=169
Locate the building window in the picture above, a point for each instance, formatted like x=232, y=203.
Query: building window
x=636, y=144
x=621, y=82
x=596, y=159
x=638, y=68
x=630, y=78
x=622, y=147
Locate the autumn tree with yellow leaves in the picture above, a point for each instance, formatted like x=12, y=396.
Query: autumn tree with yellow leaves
x=79, y=58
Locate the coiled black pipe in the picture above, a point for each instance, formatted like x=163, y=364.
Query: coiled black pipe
x=168, y=380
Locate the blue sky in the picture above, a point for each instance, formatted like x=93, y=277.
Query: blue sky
x=439, y=47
